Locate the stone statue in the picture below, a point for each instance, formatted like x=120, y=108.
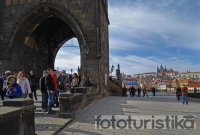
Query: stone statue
x=118, y=74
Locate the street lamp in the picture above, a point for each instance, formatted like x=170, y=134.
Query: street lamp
x=85, y=50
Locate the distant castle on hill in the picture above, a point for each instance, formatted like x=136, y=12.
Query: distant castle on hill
x=163, y=71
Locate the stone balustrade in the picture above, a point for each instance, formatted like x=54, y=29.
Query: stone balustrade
x=70, y=103
x=17, y=117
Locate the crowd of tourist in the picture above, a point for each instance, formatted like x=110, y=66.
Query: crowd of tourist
x=139, y=90
x=180, y=92
x=25, y=85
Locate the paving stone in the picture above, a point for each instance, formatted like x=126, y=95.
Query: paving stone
x=159, y=105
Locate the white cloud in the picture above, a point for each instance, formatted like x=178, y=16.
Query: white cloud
x=68, y=57
x=123, y=44
x=145, y=23
x=138, y=25
x=132, y=64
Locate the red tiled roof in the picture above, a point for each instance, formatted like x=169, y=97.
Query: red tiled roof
x=193, y=85
x=190, y=73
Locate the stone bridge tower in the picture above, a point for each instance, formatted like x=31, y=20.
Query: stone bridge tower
x=32, y=32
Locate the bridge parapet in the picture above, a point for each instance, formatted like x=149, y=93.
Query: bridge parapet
x=71, y=103
x=17, y=117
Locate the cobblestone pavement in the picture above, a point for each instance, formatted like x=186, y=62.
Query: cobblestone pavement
x=159, y=105
x=47, y=124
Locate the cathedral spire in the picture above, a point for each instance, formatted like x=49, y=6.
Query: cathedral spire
x=158, y=70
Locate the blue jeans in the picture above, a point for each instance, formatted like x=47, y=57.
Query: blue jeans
x=55, y=98
x=50, y=101
x=185, y=99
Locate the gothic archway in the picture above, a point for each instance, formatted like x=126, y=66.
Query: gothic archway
x=37, y=38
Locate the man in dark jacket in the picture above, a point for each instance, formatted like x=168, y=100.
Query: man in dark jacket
x=33, y=83
x=44, y=92
x=87, y=82
x=178, y=93
x=51, y=91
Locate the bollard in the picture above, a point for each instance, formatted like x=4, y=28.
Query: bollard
x=69, y=103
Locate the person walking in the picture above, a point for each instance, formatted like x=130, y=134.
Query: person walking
x=144, y=90
x=185, y=94
x=154, y=91
x=139, y=91
x=43, y=88
x=24, y=84
x=195, y=90
x=33, y=83
x=132, y=91
x=56, y=92
x=178, y=93
x=51, y=91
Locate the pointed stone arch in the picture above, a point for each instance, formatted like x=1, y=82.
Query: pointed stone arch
x=39, y=17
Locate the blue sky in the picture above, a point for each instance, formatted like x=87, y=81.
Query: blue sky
x=147, y=33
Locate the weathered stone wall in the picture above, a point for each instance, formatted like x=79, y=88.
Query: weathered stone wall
x=17, y=117
x=71, y=103
x=10, y=121
x=24, y=46
x=104, y=43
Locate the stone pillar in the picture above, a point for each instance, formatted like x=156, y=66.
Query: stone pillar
x=27, y=115
x=10, y=121
x=69, y=103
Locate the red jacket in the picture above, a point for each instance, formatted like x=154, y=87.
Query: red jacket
x=54, y=78
x=184, y=90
